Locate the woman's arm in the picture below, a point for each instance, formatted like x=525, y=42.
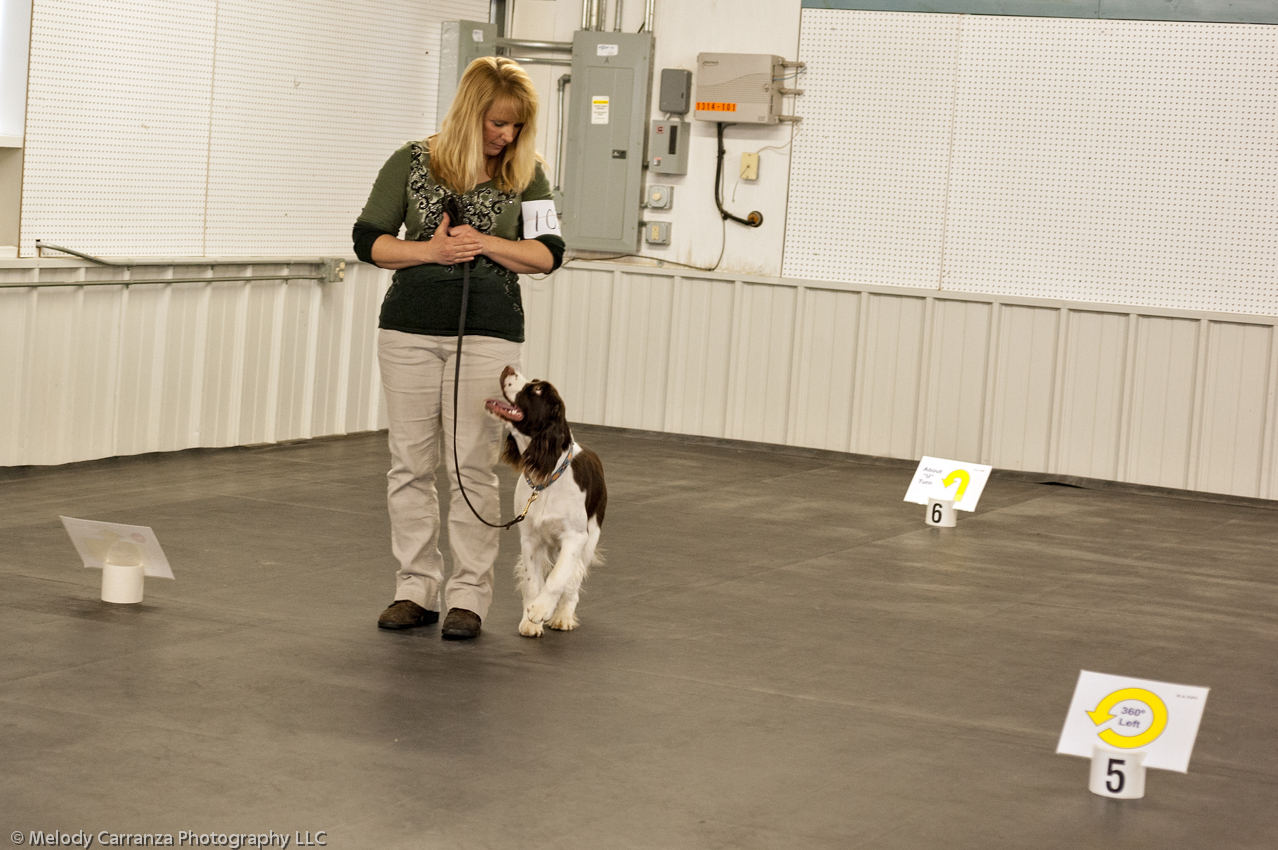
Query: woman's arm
x=526, y=256
x=444, y=248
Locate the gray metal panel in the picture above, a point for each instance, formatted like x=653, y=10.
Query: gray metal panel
x=1218, y=11
x=604, y=165
x=668, y=147
x=458, y=47
x=676, y=91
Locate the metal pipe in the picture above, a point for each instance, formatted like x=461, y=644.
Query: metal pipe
x=649, y=15
x=585, y=13
x=541, y=60
x=559, y=140
x=22, y=285
x=183, y=261
x=601, y=14
x=561, y=46
x=616, y=21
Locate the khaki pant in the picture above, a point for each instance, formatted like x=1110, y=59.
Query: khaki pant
x=417, y=377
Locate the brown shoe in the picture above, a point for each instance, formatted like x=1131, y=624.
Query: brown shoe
x=406, y=614
x=460, y=624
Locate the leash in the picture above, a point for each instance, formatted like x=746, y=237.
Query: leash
x=452, y=208
x=461, y=333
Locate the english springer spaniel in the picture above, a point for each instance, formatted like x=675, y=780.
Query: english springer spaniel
x=563, y=495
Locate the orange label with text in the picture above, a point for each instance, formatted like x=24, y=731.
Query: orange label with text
x=704, y=106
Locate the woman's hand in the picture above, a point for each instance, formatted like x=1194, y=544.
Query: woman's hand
x=525, y=256
x=450, y=246
x=391, y=252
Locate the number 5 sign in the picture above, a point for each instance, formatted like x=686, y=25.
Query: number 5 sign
x=937, y=478
x=1158, y=719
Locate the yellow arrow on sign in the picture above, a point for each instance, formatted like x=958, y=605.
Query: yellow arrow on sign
x=961, y=476
x=1158, y=722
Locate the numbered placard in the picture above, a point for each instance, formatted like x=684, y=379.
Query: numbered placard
x=938, y=478
x=540, y=219
x=1158, y=719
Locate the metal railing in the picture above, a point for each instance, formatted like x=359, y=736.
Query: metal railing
x=331, y=270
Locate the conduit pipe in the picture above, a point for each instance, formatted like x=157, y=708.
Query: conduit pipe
x=554, y=46
x=541, y=60
x=559, y=139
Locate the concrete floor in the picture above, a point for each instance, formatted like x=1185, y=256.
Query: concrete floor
x=778, y=654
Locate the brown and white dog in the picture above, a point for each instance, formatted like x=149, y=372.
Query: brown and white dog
x=562, y=486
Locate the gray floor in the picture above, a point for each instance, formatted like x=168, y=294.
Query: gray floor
x=778, y=654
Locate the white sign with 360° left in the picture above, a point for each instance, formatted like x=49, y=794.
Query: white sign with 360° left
x=1118, y=712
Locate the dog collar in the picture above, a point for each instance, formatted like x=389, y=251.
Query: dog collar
x=537, y=488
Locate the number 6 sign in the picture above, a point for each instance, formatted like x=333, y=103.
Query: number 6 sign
x=959, y=482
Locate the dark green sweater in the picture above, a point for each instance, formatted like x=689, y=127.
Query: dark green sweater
x=426, y=299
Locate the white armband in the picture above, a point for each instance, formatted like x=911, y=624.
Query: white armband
x=540, y=219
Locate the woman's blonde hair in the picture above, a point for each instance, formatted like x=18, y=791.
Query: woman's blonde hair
x=457, y=150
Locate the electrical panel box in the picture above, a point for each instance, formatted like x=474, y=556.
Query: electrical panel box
x=460, y=43
x=606, y=149
x=668, y=147
x=739, y=88
x=676, y=91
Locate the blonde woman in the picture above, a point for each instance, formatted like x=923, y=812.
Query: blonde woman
x=484, y=158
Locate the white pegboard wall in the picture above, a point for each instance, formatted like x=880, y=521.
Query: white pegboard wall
x=1123, y=162
x=309, y=101
x=868, y=174
x=1127, y=162
x=117, y=126
x=220, y=127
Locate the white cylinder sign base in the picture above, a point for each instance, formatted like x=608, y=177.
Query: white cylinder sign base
x=1117, y=774
x=941, y=513
x=122, y=584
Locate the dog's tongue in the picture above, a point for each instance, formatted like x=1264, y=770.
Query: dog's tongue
x=504, y=409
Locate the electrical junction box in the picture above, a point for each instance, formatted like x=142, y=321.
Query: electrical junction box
x=676, y=91
x=606, y=145
x=656, y=232
x=739, y=88
x=460, y=43
x=660, y=197
x=668, y=147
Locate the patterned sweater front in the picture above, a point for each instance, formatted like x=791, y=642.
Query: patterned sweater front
x=426, y=299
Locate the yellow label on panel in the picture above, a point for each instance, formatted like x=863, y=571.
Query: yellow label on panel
x=705, y=106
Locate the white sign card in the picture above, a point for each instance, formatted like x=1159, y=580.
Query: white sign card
x=1157, y=718
x=122, y=545
x=477, y=35
x=937, y=478
x=540, y=219
x=599, y=109
x=606, y=49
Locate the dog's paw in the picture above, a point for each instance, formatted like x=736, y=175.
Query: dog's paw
x=562, y=622
x=527, y=628
x=541, y=608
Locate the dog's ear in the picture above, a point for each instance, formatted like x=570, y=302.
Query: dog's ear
x=510, y=453
x=552, y=437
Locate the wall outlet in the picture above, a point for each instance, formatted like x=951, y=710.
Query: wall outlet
x=660, y=196
x=749, y=166
x=656, y=232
